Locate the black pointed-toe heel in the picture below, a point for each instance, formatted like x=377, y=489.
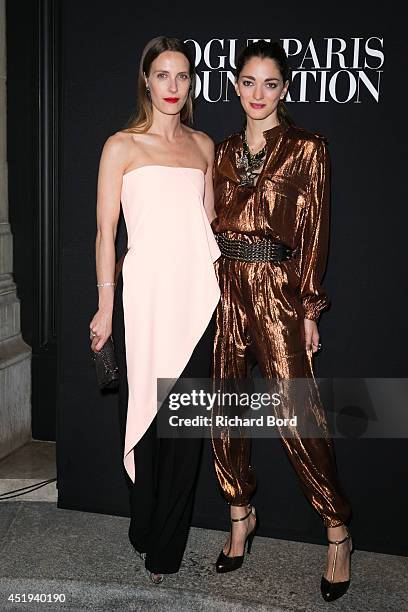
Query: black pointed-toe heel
x=225, y=563
x=333, y=590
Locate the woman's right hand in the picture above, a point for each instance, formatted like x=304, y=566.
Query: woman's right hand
x=101, y=325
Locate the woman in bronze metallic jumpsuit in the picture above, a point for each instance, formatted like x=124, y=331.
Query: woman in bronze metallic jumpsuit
x=272, y=200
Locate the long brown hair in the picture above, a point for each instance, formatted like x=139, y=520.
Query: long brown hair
x=142, y=120
x=271, y=50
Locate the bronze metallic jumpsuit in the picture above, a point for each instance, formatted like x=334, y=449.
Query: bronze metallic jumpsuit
x=263, y=304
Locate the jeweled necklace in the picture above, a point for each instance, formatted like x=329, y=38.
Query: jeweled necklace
x=249, y=162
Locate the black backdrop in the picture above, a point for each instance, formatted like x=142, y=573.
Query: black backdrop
x=364, y=332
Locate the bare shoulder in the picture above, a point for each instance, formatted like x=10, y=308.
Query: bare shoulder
x=205, y=144
x=205, y=141
x=118, y=149
x=117, y=145
x=202, y=139
x=124, y=140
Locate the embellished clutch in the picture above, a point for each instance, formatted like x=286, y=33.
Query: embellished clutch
x=107, y=371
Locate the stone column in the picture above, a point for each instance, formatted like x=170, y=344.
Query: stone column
x=15, y=355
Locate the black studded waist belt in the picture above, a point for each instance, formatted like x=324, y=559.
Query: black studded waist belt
x=263, y=250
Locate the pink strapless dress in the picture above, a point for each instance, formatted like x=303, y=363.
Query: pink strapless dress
x=170, y=289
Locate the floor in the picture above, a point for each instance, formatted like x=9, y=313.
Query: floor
x=82, y=561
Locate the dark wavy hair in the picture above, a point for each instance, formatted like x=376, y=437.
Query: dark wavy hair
x=271, y=50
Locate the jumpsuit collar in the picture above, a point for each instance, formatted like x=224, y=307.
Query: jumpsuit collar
x=229, y=164
x=271, y=134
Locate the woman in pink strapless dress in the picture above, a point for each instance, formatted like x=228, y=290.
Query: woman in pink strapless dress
x=163, y=306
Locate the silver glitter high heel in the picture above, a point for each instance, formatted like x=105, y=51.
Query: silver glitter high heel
x=156, y=578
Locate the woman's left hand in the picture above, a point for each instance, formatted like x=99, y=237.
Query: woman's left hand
x=311, y=335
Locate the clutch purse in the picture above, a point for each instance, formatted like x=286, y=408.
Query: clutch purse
x=107, y=371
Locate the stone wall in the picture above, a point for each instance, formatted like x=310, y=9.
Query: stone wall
x=15, y=355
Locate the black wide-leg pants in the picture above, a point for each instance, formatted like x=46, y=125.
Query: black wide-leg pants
x=161, y=498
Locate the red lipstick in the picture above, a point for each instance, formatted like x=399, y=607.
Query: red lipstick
x=255, y=105
x=171, y=100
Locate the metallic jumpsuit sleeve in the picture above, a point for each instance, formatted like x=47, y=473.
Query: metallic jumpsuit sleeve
x=315, y=236
x=219, y=152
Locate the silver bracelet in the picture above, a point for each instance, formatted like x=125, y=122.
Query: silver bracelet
x=105, y=284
